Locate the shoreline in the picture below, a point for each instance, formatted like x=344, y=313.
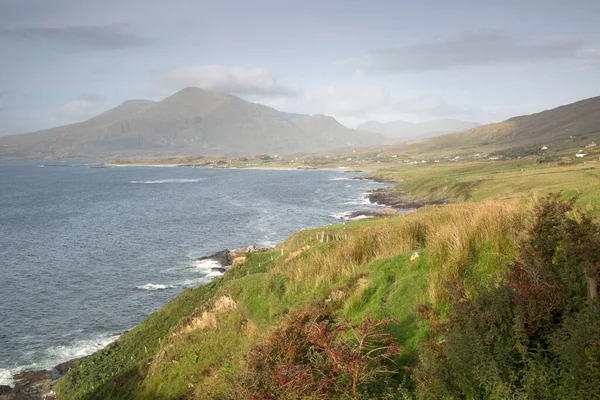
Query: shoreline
x=39, y=384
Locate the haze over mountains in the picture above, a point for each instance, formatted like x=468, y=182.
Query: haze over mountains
x=192, y=121
x=408, y=131
x=575, y=123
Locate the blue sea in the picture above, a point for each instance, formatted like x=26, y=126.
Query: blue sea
x=87, y=253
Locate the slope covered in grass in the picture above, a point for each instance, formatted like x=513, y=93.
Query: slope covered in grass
x=197, y=345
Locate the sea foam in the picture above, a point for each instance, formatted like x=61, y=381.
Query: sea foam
x=170, y=181
x=154, y=286
x=6, y=377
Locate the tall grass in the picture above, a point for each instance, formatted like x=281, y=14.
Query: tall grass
x=454, y=239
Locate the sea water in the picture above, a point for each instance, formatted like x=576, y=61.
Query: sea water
x=87, y=253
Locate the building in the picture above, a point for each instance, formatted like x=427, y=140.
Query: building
x=580, y=154
x=544, y=147
x=593, y=144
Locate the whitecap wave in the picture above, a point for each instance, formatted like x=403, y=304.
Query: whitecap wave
x=154, y=286
x=79, y=348
x=59, y=354
x=208, y=268
x=340, y=179
x=359, y=202
x=342, y=215
x=6, y=377
x=170, y=181
x=346, y=215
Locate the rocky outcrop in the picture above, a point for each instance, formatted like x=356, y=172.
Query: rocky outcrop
x=222, y=257
x=226, y=258
x=36, y=385
x=384, y=212
x=392, y=198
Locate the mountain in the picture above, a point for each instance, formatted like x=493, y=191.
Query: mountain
x=192, y=121
x=576, y=123
x=407, y=131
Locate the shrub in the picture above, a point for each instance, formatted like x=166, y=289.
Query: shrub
x=313, y=356
x=534, y=333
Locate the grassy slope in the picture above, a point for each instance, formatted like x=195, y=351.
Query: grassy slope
x=363, y=268
x=195, y=347
x=477, y=181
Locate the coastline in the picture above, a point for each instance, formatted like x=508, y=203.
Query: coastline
x=40, y=383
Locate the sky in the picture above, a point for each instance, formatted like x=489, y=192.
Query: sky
x=63, y=61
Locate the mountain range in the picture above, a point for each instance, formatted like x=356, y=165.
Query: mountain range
x=561, y=127
x=192, y=121
x=403, y=131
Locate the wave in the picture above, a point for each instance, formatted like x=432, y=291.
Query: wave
x=208, y=268
x=58, y=354
x=359, y=202
x=154, y=286
x=6, y=377
x=340, y=179
x=346, y=215
x=170, y=181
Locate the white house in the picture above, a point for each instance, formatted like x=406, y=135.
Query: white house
x=580, y=154
x=593, y=144
x=544, y=147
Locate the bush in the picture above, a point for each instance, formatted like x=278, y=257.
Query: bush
x=534, y=333
x=313, y=356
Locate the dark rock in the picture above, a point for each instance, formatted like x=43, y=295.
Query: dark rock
x=219, y=269
x=32, y=385
x=385, y=212
x=392, y=198
x=63, y=368
x=222, y=257
x=5, y=389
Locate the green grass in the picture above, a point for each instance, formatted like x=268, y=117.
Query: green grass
x=360, y=268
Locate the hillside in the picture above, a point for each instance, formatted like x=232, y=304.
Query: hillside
x=192, y=121
x=567, y=126
x=407, y=131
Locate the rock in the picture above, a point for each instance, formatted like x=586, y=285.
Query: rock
x=251, y=248
x=219, y=269
x=222, y=257
x=32, y=385
x=385, y=212
x=5, y=389
x=63, y=368
x=414, y=256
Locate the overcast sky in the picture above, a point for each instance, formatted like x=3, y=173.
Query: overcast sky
x=63, y=61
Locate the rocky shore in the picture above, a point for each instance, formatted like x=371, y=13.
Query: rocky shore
x=39, y=385
x=36, y=385
x=226, y=258
x=392, y=198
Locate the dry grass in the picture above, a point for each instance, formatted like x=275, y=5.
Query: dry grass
x=451, y=238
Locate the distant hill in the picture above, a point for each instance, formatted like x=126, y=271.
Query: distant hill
x=192, y=121
x=564, y=126
x=407, y=131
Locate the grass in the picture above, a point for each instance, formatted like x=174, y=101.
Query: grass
x=193, y=349
x=484, y=180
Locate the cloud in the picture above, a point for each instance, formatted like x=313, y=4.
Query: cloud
x=483, y=48
x=93, y=37
x=234, y=80
x=84, y=107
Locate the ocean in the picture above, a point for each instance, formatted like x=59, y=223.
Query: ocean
x=87, y=253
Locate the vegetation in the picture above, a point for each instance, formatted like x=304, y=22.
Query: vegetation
x=535, y=331
x=491, y=296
